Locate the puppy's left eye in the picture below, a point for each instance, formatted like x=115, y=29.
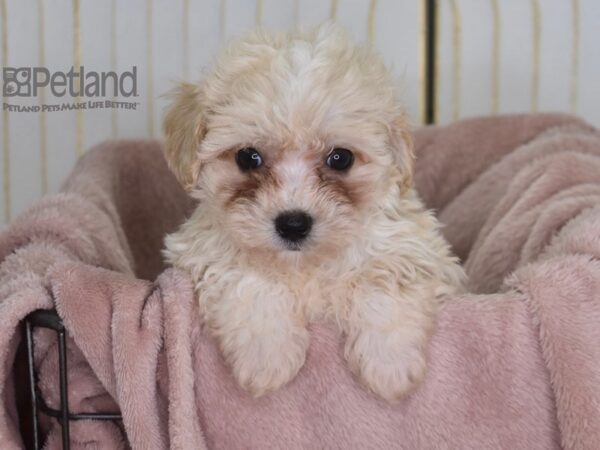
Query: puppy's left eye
x=248, y=159
x=340, y=159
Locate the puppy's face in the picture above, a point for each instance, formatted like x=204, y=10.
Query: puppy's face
x=290, y=142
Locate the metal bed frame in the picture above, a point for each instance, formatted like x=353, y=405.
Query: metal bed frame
x=49, y=318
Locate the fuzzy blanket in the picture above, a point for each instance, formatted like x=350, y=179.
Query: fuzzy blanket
x=514, y=364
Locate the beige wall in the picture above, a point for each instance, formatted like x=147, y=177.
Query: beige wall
x=495, y=56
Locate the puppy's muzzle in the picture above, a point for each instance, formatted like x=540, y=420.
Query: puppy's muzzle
x=293, y=226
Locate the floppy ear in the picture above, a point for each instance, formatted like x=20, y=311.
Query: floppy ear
x=184, y=129
x=401, y=143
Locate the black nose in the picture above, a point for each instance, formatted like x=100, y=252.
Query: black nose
x=293, y=225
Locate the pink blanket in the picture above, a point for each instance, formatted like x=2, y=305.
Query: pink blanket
x=515, y=364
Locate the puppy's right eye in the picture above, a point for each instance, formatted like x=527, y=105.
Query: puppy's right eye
x=248, y=159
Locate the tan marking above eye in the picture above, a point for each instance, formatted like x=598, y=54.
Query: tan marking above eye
x=228, y=154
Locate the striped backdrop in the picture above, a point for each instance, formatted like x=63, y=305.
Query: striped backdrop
x=494, y=56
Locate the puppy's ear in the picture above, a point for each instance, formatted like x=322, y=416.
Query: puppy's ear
x=401, y=143
x=184, y=128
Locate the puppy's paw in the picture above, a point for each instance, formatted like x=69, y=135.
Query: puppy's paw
x=265, y=363
x=389, y=363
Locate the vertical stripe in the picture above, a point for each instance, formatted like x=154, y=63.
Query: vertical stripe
x=495, y=101
x=437, y=75
x=150, y=68
x=222, y=15
x=259, y=13
x=372, y=21
x=77, y=64
x=186, y=38
x=113, y=62
x=423, y=60
x=456, y=58
x=333, y=9
x=536, y=27
x=575, y=48
x=296, y=14
x=5, y=119
x=429, y=32
x=43, y=125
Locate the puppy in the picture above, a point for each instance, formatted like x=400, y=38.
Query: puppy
x=299, y=155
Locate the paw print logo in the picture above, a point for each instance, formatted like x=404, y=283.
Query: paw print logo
x=16, y=81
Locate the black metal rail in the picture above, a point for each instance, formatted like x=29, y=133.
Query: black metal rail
x=50, y=319
x=431, y=31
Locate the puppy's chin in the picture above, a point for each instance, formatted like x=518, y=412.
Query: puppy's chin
x=278, y=252
x=295, y=247
x=300, y=247
x=281, y=248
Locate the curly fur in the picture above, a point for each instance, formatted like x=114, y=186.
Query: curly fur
x=375, y=262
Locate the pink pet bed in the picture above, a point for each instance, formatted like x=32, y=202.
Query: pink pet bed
x=513, y=364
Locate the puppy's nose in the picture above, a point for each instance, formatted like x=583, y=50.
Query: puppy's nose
x=293, y=225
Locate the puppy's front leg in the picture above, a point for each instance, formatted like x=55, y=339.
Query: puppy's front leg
x=262, y=339
x=387, y=335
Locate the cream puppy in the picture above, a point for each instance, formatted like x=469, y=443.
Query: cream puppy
x=298, y=152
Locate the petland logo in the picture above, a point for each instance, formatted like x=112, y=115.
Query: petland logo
x=27, y=82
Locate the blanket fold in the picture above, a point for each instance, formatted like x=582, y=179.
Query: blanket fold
x=513, y=364
x=136, y=329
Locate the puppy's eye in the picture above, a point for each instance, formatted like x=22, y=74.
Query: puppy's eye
x=248, y=159
x=340, y=159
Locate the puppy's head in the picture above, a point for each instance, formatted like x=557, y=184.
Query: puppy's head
x=291, y=141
